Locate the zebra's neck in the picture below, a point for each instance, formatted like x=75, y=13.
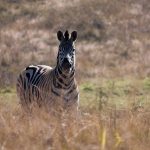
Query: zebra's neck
x=62, y=80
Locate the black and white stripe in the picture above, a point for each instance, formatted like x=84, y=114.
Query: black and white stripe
x=48, y=86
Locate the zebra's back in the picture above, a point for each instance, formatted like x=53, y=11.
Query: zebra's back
x=34, y=83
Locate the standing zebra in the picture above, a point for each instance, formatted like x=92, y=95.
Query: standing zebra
x=48, y=86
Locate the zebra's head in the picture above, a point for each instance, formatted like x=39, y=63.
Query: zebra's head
x=66, y=53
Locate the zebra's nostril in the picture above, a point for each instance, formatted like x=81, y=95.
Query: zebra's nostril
x=65, y=60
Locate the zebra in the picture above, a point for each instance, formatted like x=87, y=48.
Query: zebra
x=52, y=87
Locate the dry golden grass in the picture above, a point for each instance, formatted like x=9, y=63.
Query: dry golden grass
x=109, y=129
x=113, y=115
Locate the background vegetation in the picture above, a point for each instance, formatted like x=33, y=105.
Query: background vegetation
x=113, y=72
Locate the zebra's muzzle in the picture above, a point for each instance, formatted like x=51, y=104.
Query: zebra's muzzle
x=66, y=65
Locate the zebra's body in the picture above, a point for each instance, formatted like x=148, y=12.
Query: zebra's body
x=48, y=86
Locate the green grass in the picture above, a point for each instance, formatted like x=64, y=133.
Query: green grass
x=121, y=93
x=8, y=97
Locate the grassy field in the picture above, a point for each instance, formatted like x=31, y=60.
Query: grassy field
x=112, y=70
x=114, y=114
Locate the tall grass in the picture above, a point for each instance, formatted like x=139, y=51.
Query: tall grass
x=114, y=129
x=114, y=115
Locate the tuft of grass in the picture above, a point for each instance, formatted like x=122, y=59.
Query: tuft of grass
x=147, y=83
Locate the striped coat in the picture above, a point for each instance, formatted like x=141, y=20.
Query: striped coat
x=51, y=87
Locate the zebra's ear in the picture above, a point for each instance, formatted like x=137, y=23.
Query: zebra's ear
x=74, y=35
x=60, y=35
